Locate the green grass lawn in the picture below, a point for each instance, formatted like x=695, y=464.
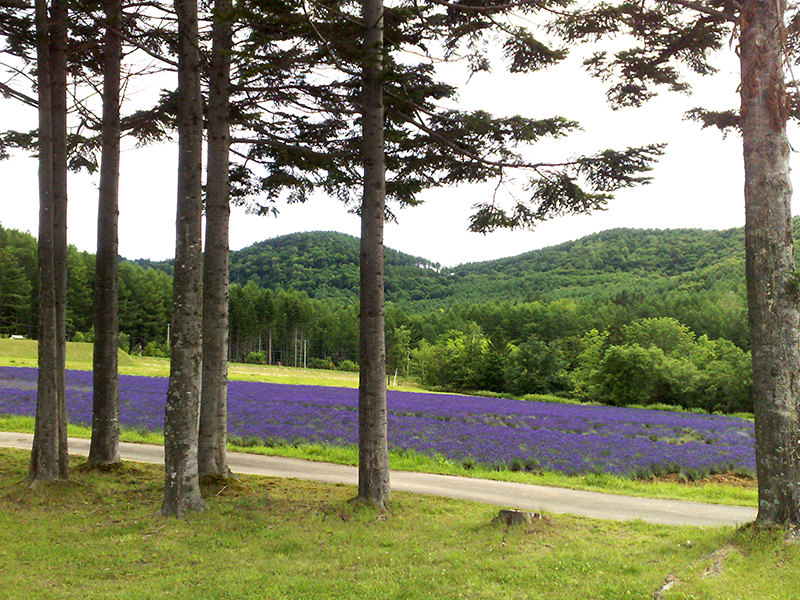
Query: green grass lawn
x=101, y=536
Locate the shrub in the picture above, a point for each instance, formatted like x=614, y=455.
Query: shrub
x=319, y=363
x=550, y=398
x=256, y=358
x=156, y=349
x=124, y=342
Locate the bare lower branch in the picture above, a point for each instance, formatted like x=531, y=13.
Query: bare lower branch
x=10, y=92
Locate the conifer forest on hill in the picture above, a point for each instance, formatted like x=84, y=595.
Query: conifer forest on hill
x=621, y=317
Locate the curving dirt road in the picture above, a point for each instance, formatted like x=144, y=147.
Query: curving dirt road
x=505, y=494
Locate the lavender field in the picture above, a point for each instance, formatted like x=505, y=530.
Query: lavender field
x=505, y=434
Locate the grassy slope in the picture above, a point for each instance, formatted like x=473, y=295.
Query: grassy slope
x=23, y=353
x=102, y=537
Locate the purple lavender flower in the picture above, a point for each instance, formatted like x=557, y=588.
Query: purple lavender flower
x=498, y=433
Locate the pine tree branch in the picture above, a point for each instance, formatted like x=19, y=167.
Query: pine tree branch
x=712, y=12
x=487, y=9
x=472, y=155
x=128, y=39
x=328, y=50
x=283, y=143
x=10, y=92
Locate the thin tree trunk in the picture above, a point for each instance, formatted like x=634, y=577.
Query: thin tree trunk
x=181, y=483
x=373, y=462
x=104, y=447
x=773, y=299
x=212, y=456
x=58, y=63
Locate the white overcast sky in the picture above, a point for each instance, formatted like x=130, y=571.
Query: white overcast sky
x=697, y=184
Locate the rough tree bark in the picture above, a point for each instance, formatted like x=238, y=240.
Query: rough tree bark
x=772, y=295
x=104, y=447
x=373, y=461
x=58, y=99
x=44, y=465
x=181, y=483
x=212, y=454
x=49, y=451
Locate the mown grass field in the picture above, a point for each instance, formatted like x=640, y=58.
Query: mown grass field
x=101, y=537
x=23, y=353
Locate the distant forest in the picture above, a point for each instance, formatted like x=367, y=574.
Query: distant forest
x=625, y=316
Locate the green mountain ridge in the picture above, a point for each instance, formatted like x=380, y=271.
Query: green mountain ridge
x=627, y=250
x=604, y=263
x=325, y=265
x=618, y=265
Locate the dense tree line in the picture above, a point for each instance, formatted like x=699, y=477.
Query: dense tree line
x=650, y=361
x=635, y=346
x=706, y=293
x=17, y=282
x=144, y=294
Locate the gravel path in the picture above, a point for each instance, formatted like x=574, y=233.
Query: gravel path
x=500, y=493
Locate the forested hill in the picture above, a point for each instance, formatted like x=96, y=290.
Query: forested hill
x=635, y=251
x=612, y=263
x=609, y=263
x=324, y=264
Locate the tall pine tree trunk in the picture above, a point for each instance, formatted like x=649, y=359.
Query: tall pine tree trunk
x=773, y=299
x=104, y=447
x=212, y=457
x=373, y=461
x=58, y=99
x=45, y=464
x=181, y=483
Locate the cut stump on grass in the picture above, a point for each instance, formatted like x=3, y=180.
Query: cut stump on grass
x=516, y=517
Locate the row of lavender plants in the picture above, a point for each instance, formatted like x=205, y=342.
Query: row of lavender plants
x=503, y=434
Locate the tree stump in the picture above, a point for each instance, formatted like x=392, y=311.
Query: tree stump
x=517, y=517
